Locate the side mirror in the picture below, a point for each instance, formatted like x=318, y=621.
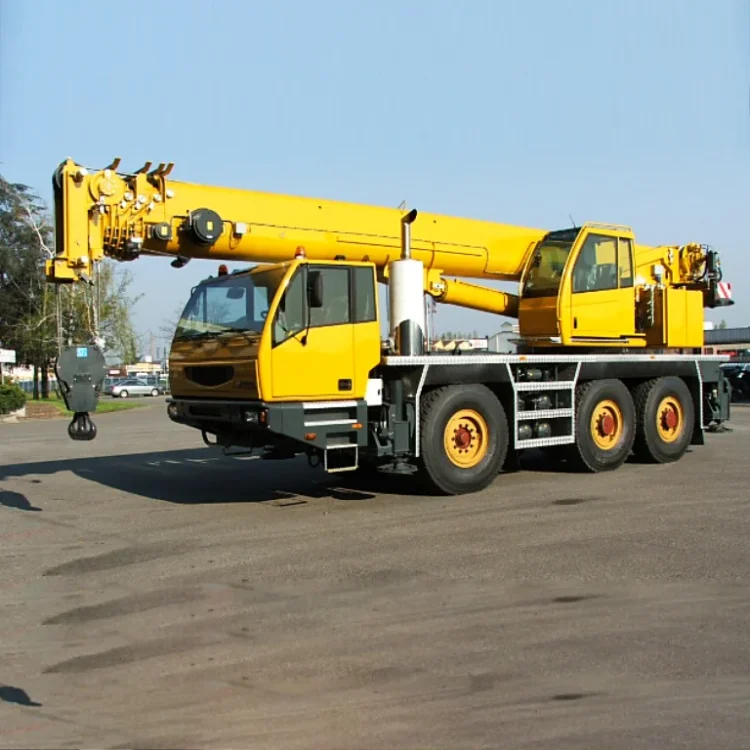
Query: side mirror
x=235, y=292
x=315, y=289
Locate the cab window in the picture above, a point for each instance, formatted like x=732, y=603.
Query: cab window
x=625, y=262
x=364, y=294
x=320, y=296
x=291, y=313
x=596, y=267
x=335, y=307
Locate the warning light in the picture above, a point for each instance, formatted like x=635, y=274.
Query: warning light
x=300, y=253
x=223, y=270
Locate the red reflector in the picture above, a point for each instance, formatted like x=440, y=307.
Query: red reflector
x=310, y=436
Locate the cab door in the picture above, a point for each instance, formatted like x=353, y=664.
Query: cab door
x=312, y=354
x=602, y=292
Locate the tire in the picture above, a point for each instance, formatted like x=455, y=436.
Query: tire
x=597, y=402
x=474, y=413
x=656, y=439
x=123, y=394
x=155, y=392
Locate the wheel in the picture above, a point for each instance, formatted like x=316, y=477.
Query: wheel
x=665, y=418
x=155, y=392
x=604, y=427
x=123, y=394
x=464, y=439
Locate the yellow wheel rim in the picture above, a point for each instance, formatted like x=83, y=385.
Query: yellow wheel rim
x=466, y=438
x=606, y=425
x=669, y=419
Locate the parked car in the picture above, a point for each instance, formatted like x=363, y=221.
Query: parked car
x=134, y=387
x=738, y=375
x=109, y=383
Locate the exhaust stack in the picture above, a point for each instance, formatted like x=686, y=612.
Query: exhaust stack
x=407, y=295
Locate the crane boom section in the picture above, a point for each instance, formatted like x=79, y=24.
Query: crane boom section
x=123, y=216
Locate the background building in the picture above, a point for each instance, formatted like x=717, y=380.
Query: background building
x=731, y=341
x=503, y=342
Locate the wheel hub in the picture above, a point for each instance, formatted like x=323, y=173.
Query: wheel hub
x=463, y=437
x=466, y=438
x=669, y=419
x=606, y=425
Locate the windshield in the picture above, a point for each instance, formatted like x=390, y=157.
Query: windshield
x=547, y=264
x=230, y=303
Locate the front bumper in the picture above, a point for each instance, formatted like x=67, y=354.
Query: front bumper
x=258, y=423
x=202, y=412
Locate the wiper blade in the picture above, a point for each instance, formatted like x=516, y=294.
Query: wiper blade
x=201, y=334
x=244, y=330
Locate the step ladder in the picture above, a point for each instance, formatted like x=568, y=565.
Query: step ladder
x=334, y=422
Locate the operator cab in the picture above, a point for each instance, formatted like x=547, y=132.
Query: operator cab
x=578, y=288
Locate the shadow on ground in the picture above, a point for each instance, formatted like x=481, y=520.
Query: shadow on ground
x=203, y=476
x=554, y=462
x=16, y=500
x=20, y=697
x=196, y=476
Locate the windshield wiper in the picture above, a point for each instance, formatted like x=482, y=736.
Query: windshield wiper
x=243, y=330
x=202, y=334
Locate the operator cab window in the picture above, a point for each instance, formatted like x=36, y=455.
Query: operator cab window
x=625, y=262
x=596, y=268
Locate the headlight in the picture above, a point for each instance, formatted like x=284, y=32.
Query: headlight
x=256, y=417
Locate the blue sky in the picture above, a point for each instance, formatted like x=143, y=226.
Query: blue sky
x=521, y=112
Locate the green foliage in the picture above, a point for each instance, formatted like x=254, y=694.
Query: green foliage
x=35, y=316
x=105, y=406
x=12, y=398
x=110, y=297
x=25, y=235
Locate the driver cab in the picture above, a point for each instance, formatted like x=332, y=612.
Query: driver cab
x=324, y=335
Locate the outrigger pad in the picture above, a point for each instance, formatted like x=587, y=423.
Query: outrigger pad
x=80, y=371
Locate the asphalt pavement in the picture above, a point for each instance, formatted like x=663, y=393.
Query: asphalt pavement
x=155, y=594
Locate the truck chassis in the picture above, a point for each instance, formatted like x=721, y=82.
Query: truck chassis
x=457, y=420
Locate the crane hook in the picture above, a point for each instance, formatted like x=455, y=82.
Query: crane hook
x=81, y=427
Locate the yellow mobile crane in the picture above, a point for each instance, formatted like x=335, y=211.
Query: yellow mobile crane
x=287, y=357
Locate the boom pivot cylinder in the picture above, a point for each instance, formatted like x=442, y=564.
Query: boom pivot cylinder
x=474, y=296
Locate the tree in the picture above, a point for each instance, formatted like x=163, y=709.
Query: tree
x=101, y=311
x=27, y=314
x=36, y=317
x=168, y=327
